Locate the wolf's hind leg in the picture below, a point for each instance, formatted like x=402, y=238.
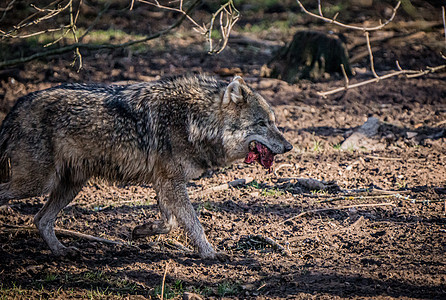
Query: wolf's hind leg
x=162, y=226
x=26, y=178
x=7, y=193
x=64, y=191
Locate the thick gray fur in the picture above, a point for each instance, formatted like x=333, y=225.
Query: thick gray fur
x=162, y=133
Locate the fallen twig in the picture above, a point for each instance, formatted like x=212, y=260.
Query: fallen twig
x=355, y=225
x=355, y=197
x=280, y=167
x=164, y=280
x=337, y=208
x=65, y=232
x=177, y=245
x=394, y=158
x=271, y=242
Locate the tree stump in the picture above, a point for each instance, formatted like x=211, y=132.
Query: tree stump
x=309, y=55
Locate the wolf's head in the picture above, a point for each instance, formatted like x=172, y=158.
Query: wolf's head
x=250, y=126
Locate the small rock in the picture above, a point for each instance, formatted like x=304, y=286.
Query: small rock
x=411, y=134
x=191, y=296
x=361, y=138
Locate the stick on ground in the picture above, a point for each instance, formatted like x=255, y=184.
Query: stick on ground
x=164, y=280
x=65, y=232
x=271, y=242
x=337, y=208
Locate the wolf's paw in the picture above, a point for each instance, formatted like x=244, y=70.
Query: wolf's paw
x=67, y=252
x=141, y=231
x=223, y=256
x=213, y=256
x=152, y=228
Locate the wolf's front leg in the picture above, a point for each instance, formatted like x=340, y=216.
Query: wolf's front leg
x=174, y=192
x=178, y=202
x=174, y=201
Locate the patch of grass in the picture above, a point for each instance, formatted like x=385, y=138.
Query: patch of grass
x=99, y=279
x=100, y=293
x=204, y=291
x=337, y=146
x=207, y=205
x=216, y=34
x=275, y=192
x=170, y=291
x=401, y=184
x=317, y=146
x=254, y=184
x=89, y=285
x=113, y=36
x=92, y=276
x=333, y=8
x=266, y=25
x=7, y=292
x=50, y=277
x=228, y=289
x=319, y=192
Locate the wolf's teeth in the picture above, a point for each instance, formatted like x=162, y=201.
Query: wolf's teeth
x=252, y=146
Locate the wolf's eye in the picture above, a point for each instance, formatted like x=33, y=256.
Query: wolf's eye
x=261, y=123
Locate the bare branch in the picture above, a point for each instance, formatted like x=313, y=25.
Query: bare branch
x=400, y=71
x=408, y=73
x=80, y=46
x=6, y=9
x=227, y=15
x=333, y=20
x=24, y=23
x=232, y=15
x=157, y=4
x=96, y=20
x=345, y=77
x=42, y=32
x=369, y=49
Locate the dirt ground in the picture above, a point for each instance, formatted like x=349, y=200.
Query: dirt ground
x=378, y=233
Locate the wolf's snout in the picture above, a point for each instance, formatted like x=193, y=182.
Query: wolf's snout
x=288, y=147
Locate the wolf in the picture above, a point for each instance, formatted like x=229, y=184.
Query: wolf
x=162, y=133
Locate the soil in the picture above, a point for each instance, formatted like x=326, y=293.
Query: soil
x=285, y=240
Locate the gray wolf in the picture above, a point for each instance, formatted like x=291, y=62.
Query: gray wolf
x=162, y=133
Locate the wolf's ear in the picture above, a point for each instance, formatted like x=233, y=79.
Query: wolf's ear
x=234, y=91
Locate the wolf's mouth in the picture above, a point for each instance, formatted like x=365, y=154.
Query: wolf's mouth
x=260, y=153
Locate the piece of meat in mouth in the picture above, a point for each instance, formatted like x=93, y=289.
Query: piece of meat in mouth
x=260, y=153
